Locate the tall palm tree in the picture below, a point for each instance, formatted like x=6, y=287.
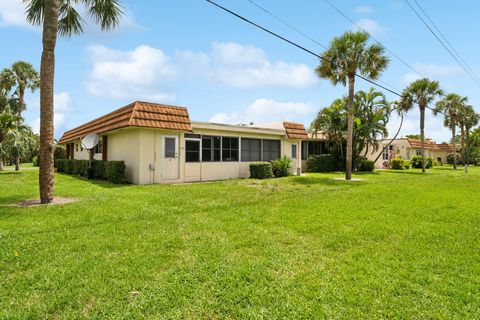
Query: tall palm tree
x=60, y=17
x=468, y=119
x=451, y=106
x=348, y=55
x=421, y=92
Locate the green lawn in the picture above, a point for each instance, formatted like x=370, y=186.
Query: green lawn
x=395, y=245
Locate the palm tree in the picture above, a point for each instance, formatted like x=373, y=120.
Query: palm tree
x=468, y=119
x=348, y=55
x=8, y=124
x=18, y=141
x=60, y=17
x=451, y=105
x=421, y=92
x=22, y=75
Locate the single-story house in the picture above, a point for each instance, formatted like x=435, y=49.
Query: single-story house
x=160, y=144
x=407, y=148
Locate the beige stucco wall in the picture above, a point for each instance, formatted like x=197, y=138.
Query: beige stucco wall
x=125, y=145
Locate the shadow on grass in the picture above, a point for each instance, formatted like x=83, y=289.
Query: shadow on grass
x=312, y=180
x=97, y=182
x=10, y=172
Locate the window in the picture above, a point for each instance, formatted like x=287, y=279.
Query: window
x=387, y=153
x=210, y=148
x=170, y=147
x=271, y=150
x=251, y=149
x=304, y=150
x=99, y=147
x=76, y=147
x=316, y=147
x=418, y=152
x=294, y=151
x=81, y=146
x=192, y=150
x=229, y=149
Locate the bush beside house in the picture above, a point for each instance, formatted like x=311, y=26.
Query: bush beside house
x=399, y=164
x=417, y=162
x=113, y=171
x=261, y=170
x=450, y=158
x=321, y=163
x=282, y=167
x=366, y=165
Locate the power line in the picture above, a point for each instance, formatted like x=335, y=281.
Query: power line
x=386, y=48
x=446, y=40
x=441, y=42
x=301, y=47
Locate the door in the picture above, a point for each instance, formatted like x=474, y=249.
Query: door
x=294, y=156
x=170, y=158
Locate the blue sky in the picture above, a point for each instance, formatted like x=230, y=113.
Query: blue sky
x=192, y=54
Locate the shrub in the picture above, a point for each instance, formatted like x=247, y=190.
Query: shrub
x=399, y=164
x=115, y=171
x=35, y=161
x=450, y=158
x=282, y=167
x=417, y=162
x=98, y=169
x=321, y=163
x=60, y=165
x=80, y=167
x=68, y=166
x=261, y=170
x=366, y=165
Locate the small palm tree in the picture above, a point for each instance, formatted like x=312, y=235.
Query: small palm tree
x=468, y=119
x=421, y=92
x=451, y=106
x=8, y=124
x=60, y=17
x=348, y=55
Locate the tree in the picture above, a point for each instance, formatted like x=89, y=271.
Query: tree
x=421, y=92
x=348, y=55
x=371, y=114
x=60, y=17
x=451, y=105
x=8, y=125
x=468, y=119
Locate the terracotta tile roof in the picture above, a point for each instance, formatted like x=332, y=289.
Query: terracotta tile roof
x=416, y=144
x=136, y=114
x=295, y=130
x=445, y=146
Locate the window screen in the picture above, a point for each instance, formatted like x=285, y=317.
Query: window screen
x=251, y=149
x=229, y=149
x=294, y=151
x=170, y=147
x=304, y=150
x=271, y=150
x=210, y=148
x=192, y=150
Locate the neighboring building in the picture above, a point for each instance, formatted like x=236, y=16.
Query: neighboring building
x=160, y=144
x=406, y=148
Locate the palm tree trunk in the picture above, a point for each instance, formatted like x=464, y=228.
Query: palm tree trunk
x=1, y=164
x=467, y=146
x=454, y=145
x=17, y=163
x=21, y=108
x=348, y=160
x=47, y=76
x=462, y=131
x=422, y=135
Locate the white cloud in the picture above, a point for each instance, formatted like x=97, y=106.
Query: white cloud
x=142, y=73
x=364, y=9
x=434, y=71
x=63, y=104
x=265, y=110
x=373, y=27
x=12, y=13
x=434, y=127
x=247, y=66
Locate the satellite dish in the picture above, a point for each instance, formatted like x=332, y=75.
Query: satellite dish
x=90, y=141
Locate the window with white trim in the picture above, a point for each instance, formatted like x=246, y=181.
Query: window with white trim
x=294, y=151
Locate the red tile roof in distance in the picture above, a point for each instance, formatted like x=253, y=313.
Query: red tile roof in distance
x=295, y=130
x=416, y=144
x=445, y=146
x=136, y=114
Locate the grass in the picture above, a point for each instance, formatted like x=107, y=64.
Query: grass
x=394, y=245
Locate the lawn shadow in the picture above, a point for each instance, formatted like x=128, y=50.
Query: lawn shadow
x=416, y=173
x=312, y=180
x=101, y=183
x=6, y=172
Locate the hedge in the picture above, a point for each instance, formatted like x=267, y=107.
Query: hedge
x=450, y=158
x=261, y=170
x=282, y=167
x=113, y=171
x=417, y=162
x=321, y=163
x=366, y=165
x=399, y=164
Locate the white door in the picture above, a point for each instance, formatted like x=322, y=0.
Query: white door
x=294, y=156
x=170, y=158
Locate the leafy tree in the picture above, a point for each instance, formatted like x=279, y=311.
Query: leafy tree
x=451, y=105
x=371, y=114
x=20, y=77
x=8, y=125
x=467, y=119
x=60, y=17
x=348, y=55
x=421, y=92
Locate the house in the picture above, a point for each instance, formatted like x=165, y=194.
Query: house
x=406, y=148
x=160, y=144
